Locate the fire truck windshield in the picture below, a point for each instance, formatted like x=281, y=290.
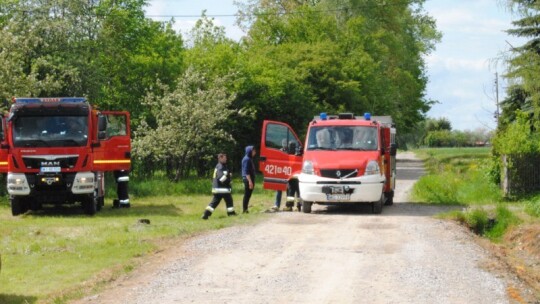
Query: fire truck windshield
x=361, y=138
x=50, y=131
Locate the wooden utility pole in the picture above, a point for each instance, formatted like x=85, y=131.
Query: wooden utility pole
x=497, y=113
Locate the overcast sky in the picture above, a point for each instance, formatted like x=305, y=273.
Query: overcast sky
x=461, y=71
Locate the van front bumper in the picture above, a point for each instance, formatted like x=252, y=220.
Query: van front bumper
x=323, y=190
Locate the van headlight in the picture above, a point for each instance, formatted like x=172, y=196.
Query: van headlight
x=307, y=167
x=372, y=168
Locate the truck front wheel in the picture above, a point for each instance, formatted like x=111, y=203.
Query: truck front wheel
x=90, y=204
x=306, y=207
x=18, y=206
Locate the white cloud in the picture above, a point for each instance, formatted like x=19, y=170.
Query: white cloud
x=452, y=64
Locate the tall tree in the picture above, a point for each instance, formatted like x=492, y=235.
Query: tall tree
x=189, y=123
x=524, y=66
x=357, y=55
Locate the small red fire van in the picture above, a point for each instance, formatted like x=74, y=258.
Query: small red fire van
x=345, y=159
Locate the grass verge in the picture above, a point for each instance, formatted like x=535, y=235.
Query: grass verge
x=58, y=254
x=463, y=177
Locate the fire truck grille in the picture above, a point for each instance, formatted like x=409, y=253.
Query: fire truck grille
x=337, y=173
x=36, y=163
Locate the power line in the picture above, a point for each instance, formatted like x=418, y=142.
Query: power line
x=284, y=13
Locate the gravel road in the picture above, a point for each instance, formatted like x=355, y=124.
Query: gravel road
x=334, y=255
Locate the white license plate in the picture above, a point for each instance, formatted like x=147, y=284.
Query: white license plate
x=338, y=197
x=50, y=169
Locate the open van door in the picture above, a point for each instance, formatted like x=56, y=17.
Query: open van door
x=4, y=147
x=113, y=151
x=280, y=156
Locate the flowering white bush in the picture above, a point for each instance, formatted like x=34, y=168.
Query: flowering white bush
x=187, y=121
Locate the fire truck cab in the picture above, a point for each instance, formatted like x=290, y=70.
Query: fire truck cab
x=56, y=151
x=346, y=159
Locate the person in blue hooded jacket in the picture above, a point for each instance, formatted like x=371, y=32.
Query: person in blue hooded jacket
x=248, y=176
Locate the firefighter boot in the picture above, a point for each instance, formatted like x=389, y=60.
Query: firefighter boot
x=207, y=213
x=289, y=204
x=230, y=211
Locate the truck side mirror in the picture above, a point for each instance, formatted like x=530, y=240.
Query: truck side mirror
x=102, y=123
x=393, y=149
x=102, y=127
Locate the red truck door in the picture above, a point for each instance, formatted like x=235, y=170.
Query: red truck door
x=113, y=150
x=281, y=155
x=4, y=147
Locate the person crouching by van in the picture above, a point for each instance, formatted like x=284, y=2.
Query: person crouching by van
x=221, y=188
x=248, y=176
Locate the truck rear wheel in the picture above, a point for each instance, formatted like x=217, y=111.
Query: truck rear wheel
x=18, y=206
x=90, y=204
x=377, y=206
x=306, y=207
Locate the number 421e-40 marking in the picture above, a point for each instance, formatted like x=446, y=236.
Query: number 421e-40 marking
x=273, y=169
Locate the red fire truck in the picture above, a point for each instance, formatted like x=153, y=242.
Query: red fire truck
x=345, y=159
x=56, y=151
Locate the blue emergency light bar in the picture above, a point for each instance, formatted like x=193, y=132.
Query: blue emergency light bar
x=49, y=99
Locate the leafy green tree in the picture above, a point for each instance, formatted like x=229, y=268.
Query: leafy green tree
x=189, y=123
x=32, y=63
x=524, y=65
x=356, y=56
x=442, y=123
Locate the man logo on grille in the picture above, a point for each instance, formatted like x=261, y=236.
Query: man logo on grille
x=338, y=173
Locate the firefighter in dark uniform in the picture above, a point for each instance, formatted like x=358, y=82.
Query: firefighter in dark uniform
x=293, y=195
x=122, y=179
x=221, y=188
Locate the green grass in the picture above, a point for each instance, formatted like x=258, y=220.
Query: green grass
x=532, y=205
x=55, y=254
x=456, y=176
x=462, y=177
x=492, y=224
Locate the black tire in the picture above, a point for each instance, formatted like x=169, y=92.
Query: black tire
x=377, y=206
x=389, y=198
x=100, y=203
x=306, y=206
x=90, y=205
x=18, y=206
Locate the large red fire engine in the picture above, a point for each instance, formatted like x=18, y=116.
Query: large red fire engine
x=56, y=150
x=345, y=159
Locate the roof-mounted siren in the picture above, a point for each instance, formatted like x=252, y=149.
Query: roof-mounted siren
x=346, y=116
x=367, y=116
x=323, y=116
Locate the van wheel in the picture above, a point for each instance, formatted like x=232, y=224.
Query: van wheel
x=377, y=206
x=90, y=205
x=18, y=206
x=306, y=207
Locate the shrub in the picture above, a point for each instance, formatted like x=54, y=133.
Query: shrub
x=504, y=218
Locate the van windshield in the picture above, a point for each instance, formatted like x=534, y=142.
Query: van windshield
x=361, y=138
x=50, y=131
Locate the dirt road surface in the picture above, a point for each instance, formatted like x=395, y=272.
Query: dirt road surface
x=334, y=255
